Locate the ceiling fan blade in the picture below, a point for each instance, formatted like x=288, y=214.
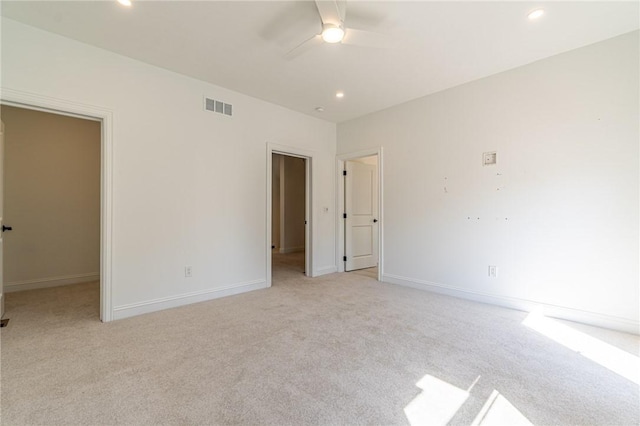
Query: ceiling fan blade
x=292, y=21
x=331, y=11
x=304, y=46
x=362, y=15
x=366, y=39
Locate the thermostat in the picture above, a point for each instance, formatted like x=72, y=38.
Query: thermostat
x=489, y=158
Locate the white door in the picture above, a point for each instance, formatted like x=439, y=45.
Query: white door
x=1, y=215
x=361, y=208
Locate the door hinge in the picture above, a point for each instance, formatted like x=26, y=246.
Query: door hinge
x=344, y=215
x=305, y=222
x=344, y=173
x=344, y=258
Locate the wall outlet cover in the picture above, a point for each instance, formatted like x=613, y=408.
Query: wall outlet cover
x=493, y=271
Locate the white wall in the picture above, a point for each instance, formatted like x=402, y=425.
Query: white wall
x=51, y=199
x=558, y=214
x=188, y=185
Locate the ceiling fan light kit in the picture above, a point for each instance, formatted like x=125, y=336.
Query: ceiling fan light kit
x=535, y=14
x=332, y=15
x=332, y=33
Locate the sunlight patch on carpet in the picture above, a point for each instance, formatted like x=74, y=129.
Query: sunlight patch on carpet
x=498, y=411
x=436, y=404
x=608, y=356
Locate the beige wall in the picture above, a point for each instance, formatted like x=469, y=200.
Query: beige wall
x=275, y=200
x=52, y=198
x=288, y=229
x=372, y=160
x=294, y=186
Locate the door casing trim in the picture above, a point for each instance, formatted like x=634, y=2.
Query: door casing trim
x=290, y=151
x=53, y=105
x=340, y=234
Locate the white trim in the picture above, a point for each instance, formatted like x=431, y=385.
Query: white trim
x=326, y=270
x=105, y=115
x=133, y=309
x=585, y=317
x=273, y=148
x=51, y=282
x=340, y=160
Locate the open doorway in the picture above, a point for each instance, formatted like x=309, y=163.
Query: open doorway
x=52, y=209
x=289, y=221
x=360, y=213
x=288, y=216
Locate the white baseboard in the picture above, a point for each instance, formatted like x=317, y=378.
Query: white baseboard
x=284, y=250
x=10, y=287
x=561, y=312
x=133, y=309
x=326, y=270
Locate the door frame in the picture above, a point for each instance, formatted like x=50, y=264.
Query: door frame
x=35, y=102
x=340, y=192
x=290, y=151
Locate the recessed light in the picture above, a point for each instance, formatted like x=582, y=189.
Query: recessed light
x=125, y=2
x=535, y=14
x=339, y=95
x=320, y=109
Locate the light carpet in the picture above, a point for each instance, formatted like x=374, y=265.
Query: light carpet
x=341, y=349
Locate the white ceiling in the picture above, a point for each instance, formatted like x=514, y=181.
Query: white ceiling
x=241, y=45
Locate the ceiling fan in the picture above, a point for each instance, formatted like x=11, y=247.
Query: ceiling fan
x=332, y=16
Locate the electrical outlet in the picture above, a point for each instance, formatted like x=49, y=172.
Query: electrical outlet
x=493, y=271
x=188, y=271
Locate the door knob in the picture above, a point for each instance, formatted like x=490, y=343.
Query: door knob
x=375, y=220
x=6, y=228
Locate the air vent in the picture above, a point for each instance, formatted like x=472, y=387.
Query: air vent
x=218, y=106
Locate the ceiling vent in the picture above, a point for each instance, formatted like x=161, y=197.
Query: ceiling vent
x=218, y=106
